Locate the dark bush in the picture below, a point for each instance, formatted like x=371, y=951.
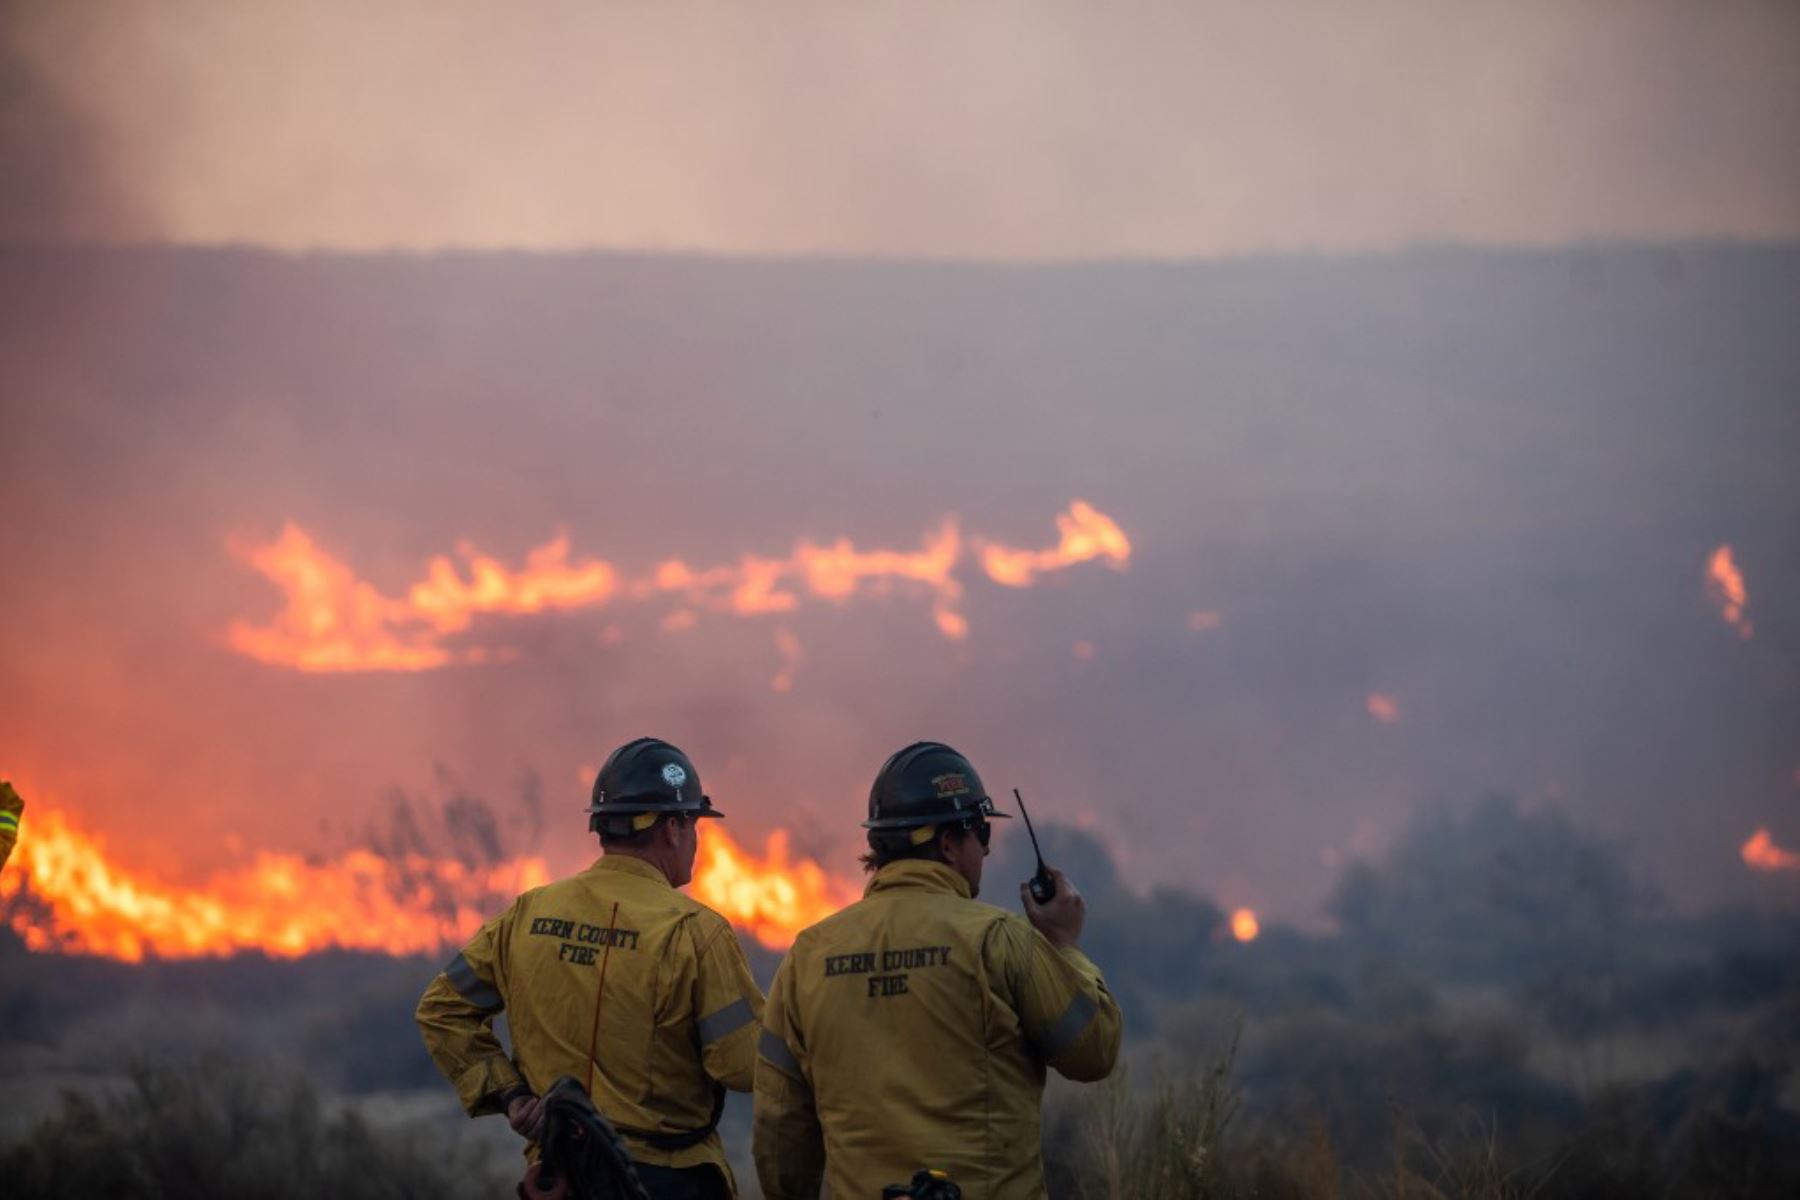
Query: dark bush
x=222, y=1127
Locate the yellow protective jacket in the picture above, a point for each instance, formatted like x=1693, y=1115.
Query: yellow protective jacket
x=10, y=808
x=676, y=1016
x=912, y=1030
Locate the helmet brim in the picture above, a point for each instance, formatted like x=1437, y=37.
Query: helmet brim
x=631, y=807
x=983, y=808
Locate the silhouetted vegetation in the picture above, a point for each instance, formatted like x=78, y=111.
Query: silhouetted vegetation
x=1503, y=1011
x=1185, y=1135
x=222, y=1127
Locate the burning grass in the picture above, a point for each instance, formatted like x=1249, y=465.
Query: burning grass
x=65, y=893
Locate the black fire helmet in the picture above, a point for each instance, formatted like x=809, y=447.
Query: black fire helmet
x=646, y=776
x=927, y=783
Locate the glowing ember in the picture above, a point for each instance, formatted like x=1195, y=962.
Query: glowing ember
x=1383, y=707
x=1761, y=853
x=1087, y=534
x=771, y=897
x=333, y=621
x=952, y=625
x=61, y=893
x=1244, y=926
x=1725, y=584
x=789, y=647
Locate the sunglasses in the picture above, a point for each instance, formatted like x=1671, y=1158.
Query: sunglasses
x=981, y=827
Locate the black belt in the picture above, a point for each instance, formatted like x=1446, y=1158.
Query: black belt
x=687, y=1137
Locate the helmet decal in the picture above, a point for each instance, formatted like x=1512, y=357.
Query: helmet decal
x=924, y=784
x=649, y=775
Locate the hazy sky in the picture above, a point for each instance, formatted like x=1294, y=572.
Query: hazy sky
x=993, y=130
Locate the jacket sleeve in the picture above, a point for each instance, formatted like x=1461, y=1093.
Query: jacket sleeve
x=10, y=808
x=785, y=1138
x=728, y=1003
x=1068, y=1016
x=456, y=1016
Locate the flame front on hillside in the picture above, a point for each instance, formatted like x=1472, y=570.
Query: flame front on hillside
x=334, y=621
x=1087, y=534
x=61, y=892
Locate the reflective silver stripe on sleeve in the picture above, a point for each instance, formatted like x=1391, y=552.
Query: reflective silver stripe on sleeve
x=1071, y=1025
x=730, y=1019
x=778, y=1054
x=472, y=987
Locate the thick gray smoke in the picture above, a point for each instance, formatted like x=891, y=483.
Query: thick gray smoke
x=65, y=175
x=1485, y=485
x=1048, y=129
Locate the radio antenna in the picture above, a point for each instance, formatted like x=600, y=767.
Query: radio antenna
x=1042, y=884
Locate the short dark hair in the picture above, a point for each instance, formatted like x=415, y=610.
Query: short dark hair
x=628, y=839
x=893, y=845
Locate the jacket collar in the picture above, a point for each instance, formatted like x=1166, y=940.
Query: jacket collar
x=920, y=874
x=628, y=865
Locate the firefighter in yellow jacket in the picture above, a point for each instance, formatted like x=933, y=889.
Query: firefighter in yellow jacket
x=613, y=977
x=11, y=806
x=913, y=1028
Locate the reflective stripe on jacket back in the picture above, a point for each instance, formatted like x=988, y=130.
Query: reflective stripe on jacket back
x=922, y=1021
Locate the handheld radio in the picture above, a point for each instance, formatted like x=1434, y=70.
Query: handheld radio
x=1042, y=885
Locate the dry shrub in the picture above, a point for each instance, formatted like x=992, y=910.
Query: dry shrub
x=218, y=1126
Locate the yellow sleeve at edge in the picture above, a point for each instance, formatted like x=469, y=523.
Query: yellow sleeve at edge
x=456, y=1018
x=786, y=1139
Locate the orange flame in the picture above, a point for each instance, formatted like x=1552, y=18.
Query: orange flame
x=549, y=581
x=282, y=905
x=1244, y=926
x=1760, y=853
x=62, y=893
x=771, y=897
x=333, y=621
x=1383, y=707
x=1087, y=533
x=1725, y=584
